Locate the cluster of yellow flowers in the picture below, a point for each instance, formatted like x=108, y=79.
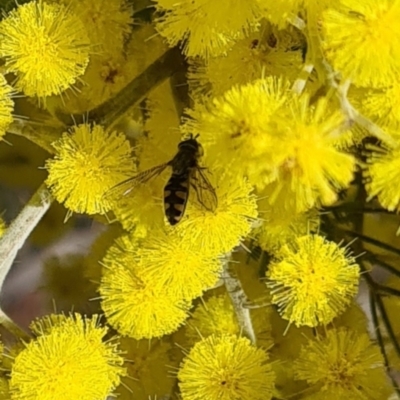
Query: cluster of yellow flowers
x=296, y=106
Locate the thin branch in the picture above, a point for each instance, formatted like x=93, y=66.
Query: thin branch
x=43, y=136
x=239, y=299
x=387, y=324
x=375, y=260
x=300, y=82
x=379, y=337
x=374, y=287
x=352, y=114
x=357, y=210
x=17, y=233
x=12, y=327
x=370, y=240
x=133, y=93
x=388, y=290
x=180, y=90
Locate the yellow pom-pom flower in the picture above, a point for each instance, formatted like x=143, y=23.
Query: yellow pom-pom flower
x=216, y=232
x=312, y=280
x=281, y=224
x=203, y=25
x=134, y=307
x=88, y=162
x=237, y=132
x=281, y=12
x=226, y=367
x=382, y=171
x=263, y=53
x=4, y=388
x=381, y=106
x=314, y=168
x=6, y=105
x=92, y=269
x=46, y=46
x=69, y=360
x=108, y=22
x=142, y=209
x=147, y=364
x=216, y=316
x=362, y=40
x=162, y=128
x=172, y=264
x=279, y=141
x=343, y=365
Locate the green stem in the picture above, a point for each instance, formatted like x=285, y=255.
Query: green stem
x=41, y=135
x=180, y=90
x=132, y=94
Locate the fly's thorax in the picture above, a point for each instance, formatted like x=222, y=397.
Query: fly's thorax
x=185, y=160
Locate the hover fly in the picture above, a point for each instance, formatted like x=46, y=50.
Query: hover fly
x=186, y=173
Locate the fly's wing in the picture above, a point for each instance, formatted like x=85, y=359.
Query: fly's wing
x=125, y=187
x=205, y=192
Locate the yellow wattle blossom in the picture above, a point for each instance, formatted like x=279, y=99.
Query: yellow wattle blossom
x=217, y=232
x=382, y=170
x=343, y=365
x=382, y=106
x=203, y=26
x=142, y=209
x=103, y=77
x=108, y=22
x=88, y=162
x=6, y=105
x=108, y=73
x=92, y=268
x=281, y=12
x=354, y=318
x=286, y=349
x=147, y=365
x=46, y=46
x=216, y=316
x=281, y=224
x=174, y=265
x=237, y=132
x=314, y=168
x=226, y=367
x=4, y=388
x=267, y=52
x=362, y=41
x=162, y=128
x=133, y=306
x=69, y=360
x=312, y=280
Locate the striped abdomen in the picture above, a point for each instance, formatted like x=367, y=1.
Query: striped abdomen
x=176, y=194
